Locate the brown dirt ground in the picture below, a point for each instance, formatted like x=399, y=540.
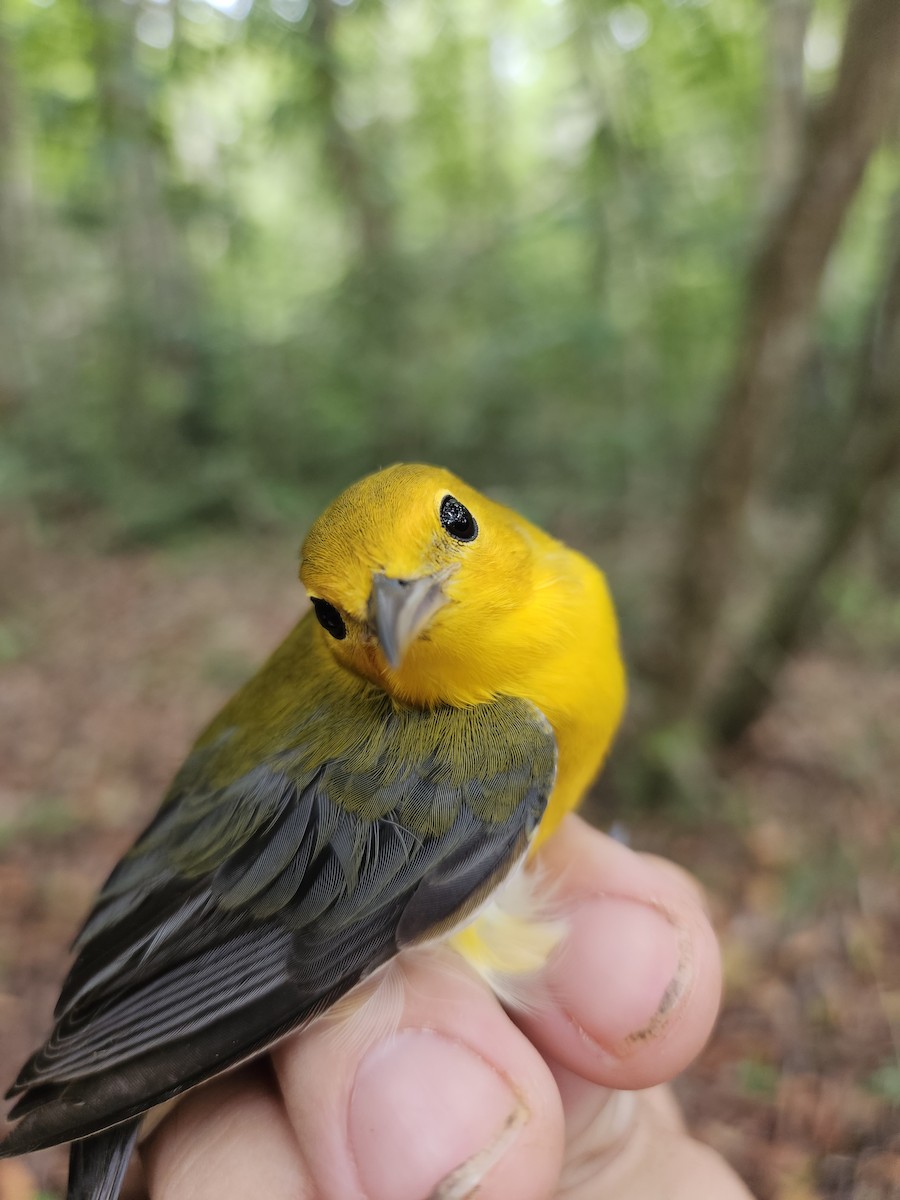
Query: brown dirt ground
x=110, y=665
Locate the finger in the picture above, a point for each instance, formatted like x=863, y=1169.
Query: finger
x=646, y=1155
x=456, y=1099
x=604, y=1119
x=633, y=989
x=226, y=1141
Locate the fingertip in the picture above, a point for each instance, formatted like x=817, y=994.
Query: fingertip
x=455, y=1099
x=425, y=1107
x=634, y=988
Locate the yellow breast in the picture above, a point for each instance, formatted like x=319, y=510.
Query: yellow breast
x=578, y=683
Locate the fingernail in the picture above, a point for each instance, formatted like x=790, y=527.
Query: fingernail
x=624, y=966
x=422, y=1106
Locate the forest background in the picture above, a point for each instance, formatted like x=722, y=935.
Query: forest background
x=633, y=268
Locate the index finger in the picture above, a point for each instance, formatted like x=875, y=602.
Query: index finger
x=632, y=991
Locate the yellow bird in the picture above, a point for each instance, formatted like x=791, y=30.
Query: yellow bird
x=449, y=697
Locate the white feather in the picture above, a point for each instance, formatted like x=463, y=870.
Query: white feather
x=510, y=939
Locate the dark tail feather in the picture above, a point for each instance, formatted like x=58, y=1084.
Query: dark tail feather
x=97, y=1163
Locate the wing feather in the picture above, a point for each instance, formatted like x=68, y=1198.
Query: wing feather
x=251, y=903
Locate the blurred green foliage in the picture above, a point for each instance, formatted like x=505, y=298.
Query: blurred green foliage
x=886, y=1082
x=251, y=250
x=758, y=1079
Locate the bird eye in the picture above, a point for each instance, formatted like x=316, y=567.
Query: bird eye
x=329, y=618
x=457, y=520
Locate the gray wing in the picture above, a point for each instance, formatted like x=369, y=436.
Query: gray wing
x=245, y=910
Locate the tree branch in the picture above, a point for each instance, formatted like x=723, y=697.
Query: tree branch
x=783, y=289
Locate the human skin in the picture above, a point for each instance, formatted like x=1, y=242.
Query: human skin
x=432, y=1091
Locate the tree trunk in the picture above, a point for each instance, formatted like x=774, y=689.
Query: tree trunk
x=371, y=210
x=783, y=139
x=871, y=462
x=158, y=312
x=783, y=290
x=15, y=367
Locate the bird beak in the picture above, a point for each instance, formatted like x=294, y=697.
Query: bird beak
x=400, y=609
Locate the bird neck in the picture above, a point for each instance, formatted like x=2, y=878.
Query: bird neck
x=555, y=643
x=557, y=647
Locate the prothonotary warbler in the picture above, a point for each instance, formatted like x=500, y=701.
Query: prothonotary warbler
x=448, y=698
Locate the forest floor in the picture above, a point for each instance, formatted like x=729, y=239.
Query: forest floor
x=111, y=664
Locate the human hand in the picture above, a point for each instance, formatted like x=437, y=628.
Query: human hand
x=462, y=1096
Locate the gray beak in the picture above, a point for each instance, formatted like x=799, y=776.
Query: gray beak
x=400, y=609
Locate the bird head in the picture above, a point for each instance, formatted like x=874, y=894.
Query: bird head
x=415, y=578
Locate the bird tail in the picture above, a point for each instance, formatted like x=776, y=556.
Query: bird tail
x=97, y=1163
